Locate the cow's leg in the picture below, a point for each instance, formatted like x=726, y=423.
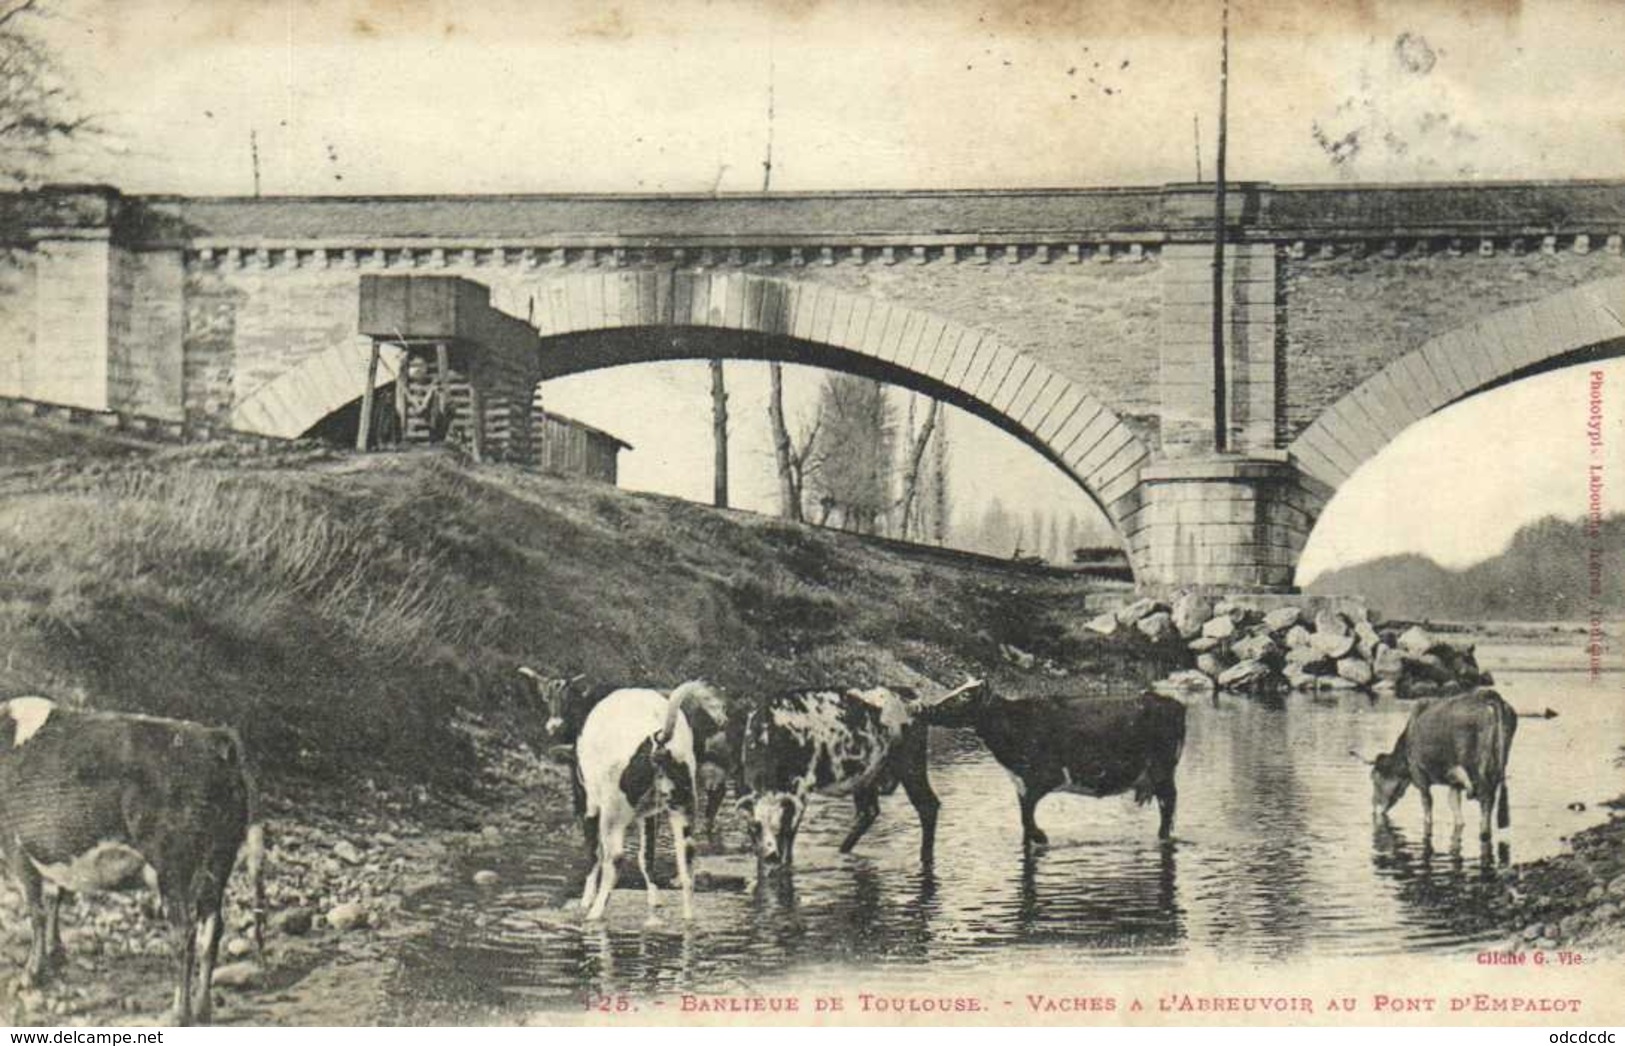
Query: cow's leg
x=713, y=781
x=1167, y=799
x=867, y=801
x=917, y=785
x=208, y=948
x=589, y=889
x=1028, y=797
x=1455, y=810
x=646, y=853
x=55, y=954
x=183, y=938
x=1426, y=794
x=611, y=848
x=39, y=948
x=683, y=845
x=1486, y=807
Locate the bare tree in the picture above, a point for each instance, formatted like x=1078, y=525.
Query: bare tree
x=38, y=116
x=911, y=470
x=795, y=459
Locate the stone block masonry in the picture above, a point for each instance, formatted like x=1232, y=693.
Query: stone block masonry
x=1077, y=320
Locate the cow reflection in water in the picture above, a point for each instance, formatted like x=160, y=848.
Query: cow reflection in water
x=1448, y=892
x=1134, y=907
x=862, y=916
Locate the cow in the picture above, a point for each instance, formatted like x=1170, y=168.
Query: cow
x=93, y=801
x=1462, y=742
x=636, y=758
x=568, y=700
x=1092, y=746
x=862, y=743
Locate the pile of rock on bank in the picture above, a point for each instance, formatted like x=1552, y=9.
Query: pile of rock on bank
x=1317, y=644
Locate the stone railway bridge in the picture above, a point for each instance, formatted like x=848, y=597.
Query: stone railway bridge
x=1077, y=320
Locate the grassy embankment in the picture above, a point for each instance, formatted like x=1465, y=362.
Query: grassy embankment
x=362, y=617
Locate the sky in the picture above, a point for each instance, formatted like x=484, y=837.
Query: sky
x=397, y=96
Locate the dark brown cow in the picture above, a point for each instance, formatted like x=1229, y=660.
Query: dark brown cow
x=1092, y=746
x=1462, y=742
x=94, y=801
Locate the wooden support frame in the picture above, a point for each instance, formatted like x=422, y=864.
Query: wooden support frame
x=363, y=432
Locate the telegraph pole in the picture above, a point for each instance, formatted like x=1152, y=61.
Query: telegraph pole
x=1221, y=393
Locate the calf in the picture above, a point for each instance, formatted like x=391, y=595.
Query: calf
x=636, y=758
x=1092, y=746
x=98, y=800
x=862, y=743
x=1460, y=741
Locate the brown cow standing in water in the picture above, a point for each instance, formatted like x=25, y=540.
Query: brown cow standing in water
x=1462, y=742
x=1089, y=745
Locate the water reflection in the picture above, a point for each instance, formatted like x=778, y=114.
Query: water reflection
x=1275, y=857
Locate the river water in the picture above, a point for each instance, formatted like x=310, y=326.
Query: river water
x=1274, y=859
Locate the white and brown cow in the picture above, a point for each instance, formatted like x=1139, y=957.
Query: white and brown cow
x=93, y=801
x=636, y=759
x=862, y=743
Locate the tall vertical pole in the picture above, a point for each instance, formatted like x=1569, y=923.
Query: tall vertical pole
x=719, y=427
x=1221, y=393
x=254, y=157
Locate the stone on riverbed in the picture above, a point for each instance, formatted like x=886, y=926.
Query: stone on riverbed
x=1138, y=609
x=486, y=877
x=237, y=975
x=1255, y=647
x=1416, y=641
x=1333, y=644
x=1190, y=612
x=1355, y=669
x=1282, y=618
x=1245, y=675
x=295, y=922
x=1105, y=624
x=347, y=916
x=1156, y=626
x=1219, y=628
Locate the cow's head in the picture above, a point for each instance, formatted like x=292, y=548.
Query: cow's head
x=963, y=706
x=554, y=694
x=772, y=818
x=1389, y=779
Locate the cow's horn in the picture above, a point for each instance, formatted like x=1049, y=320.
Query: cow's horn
x=1361, y=758
x=530, y=673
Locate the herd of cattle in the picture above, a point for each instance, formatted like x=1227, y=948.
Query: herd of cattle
x=98, y=800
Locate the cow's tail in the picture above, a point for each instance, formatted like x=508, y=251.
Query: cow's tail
x=254, y=852
x=1506, y=724
x=695, y=691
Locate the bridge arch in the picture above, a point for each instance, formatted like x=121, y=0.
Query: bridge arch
x=593, y=320
x=1582, y=323
x=319, y=384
